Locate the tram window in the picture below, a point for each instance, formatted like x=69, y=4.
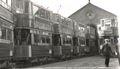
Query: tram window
x=19, y=6
x=3, y=29
x=69, y=41
x=65, y=22
x=22, y=36
x=9, y=36
x=35, y=38
x=82, y=42
x=57, y=18
x=43, y=39
x=102, y=23
x=107, y=25
x=35, y=10
x=79, y=42
x=48, y=40
x=75, y=41
x=62, y=20
x=25, y=36
x=48, y=15
x=64, y=41
x=17, y=36
x=56, y=40
x=9, y=2
x=5, y=1
x=87, y=42
x=42, y=13
x=26, y=7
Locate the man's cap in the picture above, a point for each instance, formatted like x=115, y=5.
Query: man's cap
x=107, y=40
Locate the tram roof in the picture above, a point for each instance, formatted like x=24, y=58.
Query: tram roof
x=40, y=6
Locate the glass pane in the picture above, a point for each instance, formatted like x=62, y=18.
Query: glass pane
x=25, y=36
x=0, y=2
x=43, y=39
x=4, y=1
x=35, y=10
x=87, y=42
x=56, y=40
x=69, y=41
x=9, y=35
x=75, y=41
x=35, y=38
x=48, y=40
x=62, y=20
x=26, y=7
x=17, y=36
x=64, y=41
x=22, y=36
x=4, y=4
x=48, y=15
x=9, y=2
x=3, y=29
x=57, y=18
x=42, y=13
x=102, y=23
x=19, y=6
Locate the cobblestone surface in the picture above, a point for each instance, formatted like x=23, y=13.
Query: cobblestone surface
x=93, y=62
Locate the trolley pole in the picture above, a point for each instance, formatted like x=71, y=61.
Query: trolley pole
x=58, y=8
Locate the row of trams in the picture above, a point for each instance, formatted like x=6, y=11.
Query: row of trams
x=34, y=34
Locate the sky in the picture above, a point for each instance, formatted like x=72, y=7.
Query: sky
x=70, y=6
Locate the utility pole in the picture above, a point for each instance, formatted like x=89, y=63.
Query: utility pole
x=58, y=8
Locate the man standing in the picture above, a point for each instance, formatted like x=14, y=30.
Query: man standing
x=107, y=51
x=117, y=46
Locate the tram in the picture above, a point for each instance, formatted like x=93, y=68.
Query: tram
x=32, y=33
x=63, y=37
x=90, y=40
x=80, y=38
x=108, y=29
x=6, y=34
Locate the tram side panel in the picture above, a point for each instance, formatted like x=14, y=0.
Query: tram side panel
x=28, y=42
x=75, y=46
x=25, y=50
x=80, y=33
x=6, y=35
x=57, y=48
x=61, y=42
x=6, y=51
x=33, y=32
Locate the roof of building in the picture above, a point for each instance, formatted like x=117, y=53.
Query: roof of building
x=90, y=4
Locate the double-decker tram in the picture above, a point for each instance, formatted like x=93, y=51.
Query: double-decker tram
x=91, y=40
x=33, y=33
x=80, y=38
x=6, y=34
x=108, y=29
x=63, y=37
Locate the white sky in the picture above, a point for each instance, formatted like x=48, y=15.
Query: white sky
x=70, y=6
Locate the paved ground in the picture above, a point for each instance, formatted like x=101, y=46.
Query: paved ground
x=93, y=62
